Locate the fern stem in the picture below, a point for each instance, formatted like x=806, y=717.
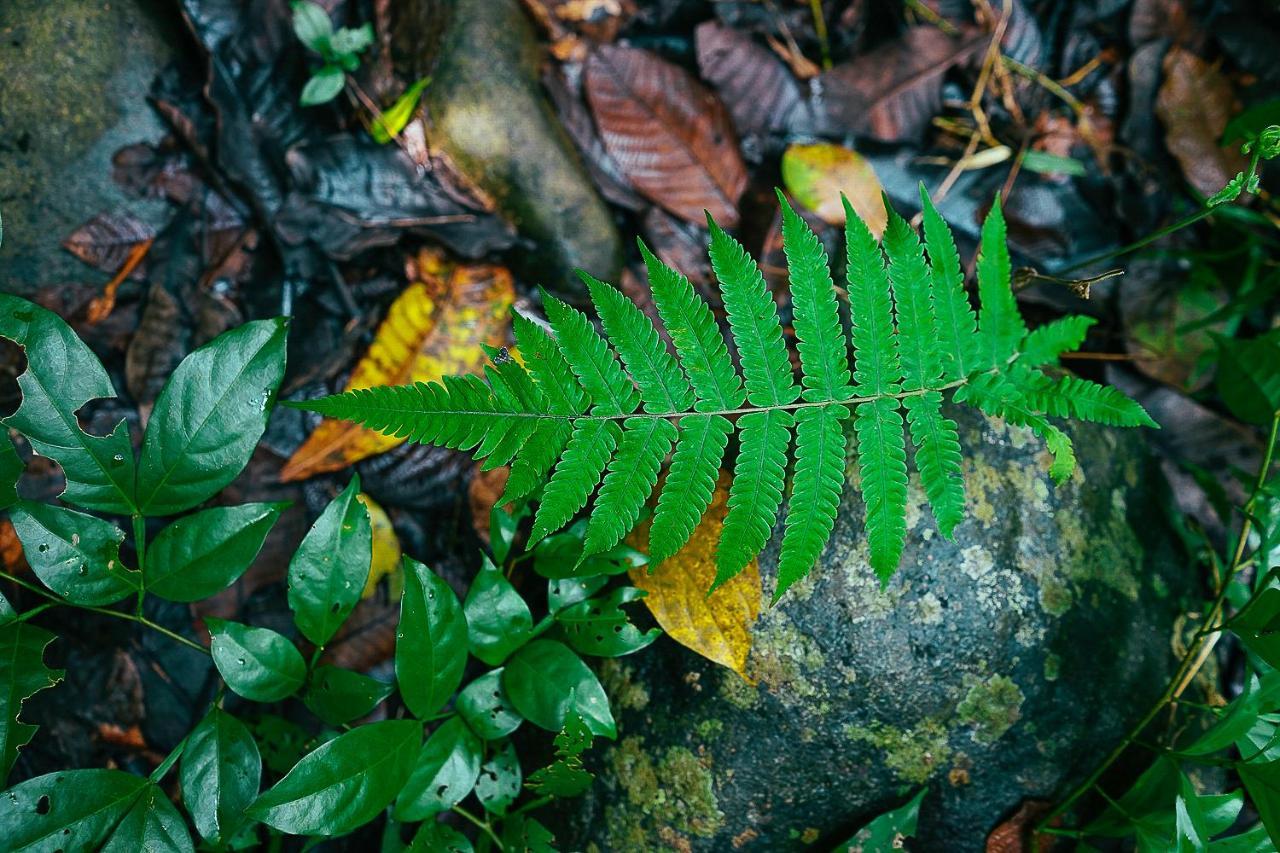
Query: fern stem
x=1198, y=651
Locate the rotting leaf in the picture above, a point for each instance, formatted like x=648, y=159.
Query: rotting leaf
x=716, y=626
x=1194, y=105
x=759, y=91
x=817, y=174
x=670, y=135
x=436, y=327
x=108, y=240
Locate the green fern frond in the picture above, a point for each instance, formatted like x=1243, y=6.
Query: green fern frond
x=690, y=485
x=753, y=319
x=823, y=347
x=606, y=410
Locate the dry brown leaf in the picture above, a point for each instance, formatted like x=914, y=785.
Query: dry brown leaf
x=717, y=626
x=755, y=85
x=435, y=328
x=668, y=133
x=1194, y=104
x=107, y=240
x=483, y=493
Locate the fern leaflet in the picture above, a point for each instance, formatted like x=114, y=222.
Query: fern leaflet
x=605, y=410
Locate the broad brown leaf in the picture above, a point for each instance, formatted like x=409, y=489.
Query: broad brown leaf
x=755, y=85
x=1194, y=104
x=155, y=349
x=891, y=93
x=668, y=133
x=435, y=328
x=108, y=240
x=716, y=626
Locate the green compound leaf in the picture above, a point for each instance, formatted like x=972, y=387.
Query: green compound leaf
x=445, y=771
x=599, y=626
x=917, y=345
x=498, y=620
x=23, y=673
x=62, y=375
x=431, y=643
x=75, y=555
x=330, y=567
x=151, y=824
x=209, y=417
x=257, y=663
x=220, y=773
x=203, y=553
x=68, y=810
x=545, y=680
x=344, y=783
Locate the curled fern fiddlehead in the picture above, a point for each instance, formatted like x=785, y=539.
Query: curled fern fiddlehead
x=600, y=413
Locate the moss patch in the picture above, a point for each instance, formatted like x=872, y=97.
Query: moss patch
x=913, y=755
x=620, y=685
x=669, y=797
x=992, y=707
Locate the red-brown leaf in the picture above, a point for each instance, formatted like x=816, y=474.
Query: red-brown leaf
x=107, y=240
x=667, y=132
x=755, y=85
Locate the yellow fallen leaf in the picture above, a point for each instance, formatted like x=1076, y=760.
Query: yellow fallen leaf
x=386, y=546
x=436, y=327
x=718, y=626
x=817, y=174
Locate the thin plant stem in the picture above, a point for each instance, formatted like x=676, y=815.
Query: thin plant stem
x=129, y=617
x=483, y=825
x=820, y=27
x=1198, y=651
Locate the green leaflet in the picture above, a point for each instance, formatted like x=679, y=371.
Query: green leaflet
x=691, y=482
x=329, y=569
x=498, y=620
x=71, y=810
x=815, y=495
x=203, y=553
x=917, y=345
x=23, y=673
x=431, y=643
x=257, y=663
x=756, y=491
x=75, y=555
x=220, y=773
x=446, y=770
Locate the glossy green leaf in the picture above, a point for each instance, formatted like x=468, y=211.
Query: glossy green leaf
x=436, y=837
x=600, y=627
x=256, y=663
x=339, y=696
x=22, y=674
x=220, y=773
x=68, y=810
x=560, y=556
x=525, y=833
x=1262, y=781
x=344, y=783
x=887, y=831
x=209, y=417
x=152, y=824
x=11, y=469
x=62, y=375
x=76, y=555
x=330, y=567
x=569, y=591
x=498, y=620
x=499, y=783
x=484, y=706
x=545, y=679
x=445, y=771
x=431, y=643
x=203, y=553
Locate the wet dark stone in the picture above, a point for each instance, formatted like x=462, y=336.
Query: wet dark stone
x=994, y=669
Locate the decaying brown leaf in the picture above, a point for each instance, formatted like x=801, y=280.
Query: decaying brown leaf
x=893, y=92
x=755, y=85
x=1194, y=104
x=716, y=626
x=107, y=240
x=436, y=327
x=669, y=134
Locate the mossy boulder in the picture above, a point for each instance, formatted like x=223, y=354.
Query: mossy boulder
x=74, y=78
x=993, y=669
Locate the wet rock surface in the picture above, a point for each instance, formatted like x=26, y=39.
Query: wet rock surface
x=75, y=79
x=993, y=669
x=491, y=117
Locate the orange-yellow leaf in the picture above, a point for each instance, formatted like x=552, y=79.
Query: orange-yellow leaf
x=717, y=626
x=817, y=174
x=386, y=546
x=436, y=327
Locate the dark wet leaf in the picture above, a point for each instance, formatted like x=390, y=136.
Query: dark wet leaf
x=256, y=663
x=892, y=92
x=156, y=348
x=1194, y=105
x=201, y=554
x=74, y=554
x=545, y=679
x=339, y=696
x=484, y=706
x=670, y=135
x=79, y=808
x=431, y=643
x=756, y=87
x=328, y=571
x=106, y=240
